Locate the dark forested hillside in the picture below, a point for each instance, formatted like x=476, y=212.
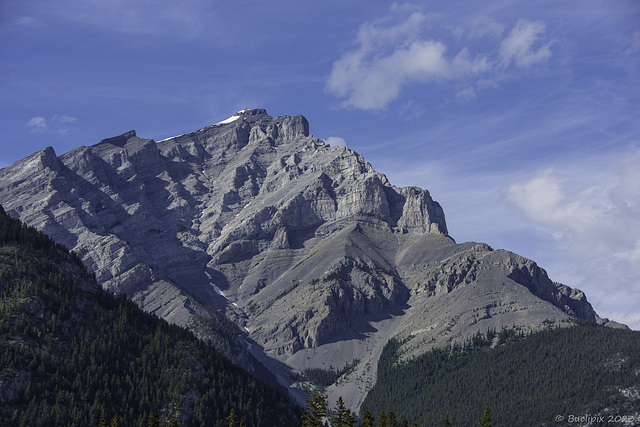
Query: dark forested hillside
x=73, y=354
x=537, y=379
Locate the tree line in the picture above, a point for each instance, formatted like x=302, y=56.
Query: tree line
x=318, y=414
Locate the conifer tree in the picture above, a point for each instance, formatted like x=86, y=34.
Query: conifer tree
x=173, y=423
x=154, y=420
x=115, y=421
x=315, y=410
x=342, y=416
x=447, y=423
x=368, y=420
x=232, y=421
x=485, y=421
x=382, y=419
x=104, y=422
x=391, y=419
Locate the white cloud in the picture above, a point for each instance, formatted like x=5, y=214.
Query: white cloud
x=597, y=225
x=485, y=25
x=64, y=123
x=336, y=141
x=37, y=124
x=371, y=83
x=63, y=119
x=518, y=46
x=61, y=123
x=389, y=57
x=393, y=53
x=604, y=219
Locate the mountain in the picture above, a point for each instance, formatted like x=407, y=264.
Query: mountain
x=72, y=353
x=317, y=256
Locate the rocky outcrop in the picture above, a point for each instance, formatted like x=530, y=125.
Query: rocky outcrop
x=305, y=245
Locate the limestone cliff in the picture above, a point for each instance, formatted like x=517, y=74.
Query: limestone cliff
x=305, y=245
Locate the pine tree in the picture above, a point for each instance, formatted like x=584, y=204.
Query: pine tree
x=382, y=419
x=173, y=423
x=485, y=421
x=115, y=421
x=391, y=419
x=154, y=420
x=104, y=422
x=342, y=416
x=368, y=420
x=315, y=410
x=447, y=423
x=232, y=421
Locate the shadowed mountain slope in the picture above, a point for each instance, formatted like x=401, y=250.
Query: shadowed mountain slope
x=72, y=353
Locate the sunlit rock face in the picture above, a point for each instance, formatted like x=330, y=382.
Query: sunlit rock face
x=305, y=245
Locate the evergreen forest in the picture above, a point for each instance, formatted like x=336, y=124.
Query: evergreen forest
x=532, y=379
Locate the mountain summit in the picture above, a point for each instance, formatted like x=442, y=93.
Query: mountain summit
x=315, y=254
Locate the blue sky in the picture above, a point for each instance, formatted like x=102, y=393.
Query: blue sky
x=521, y=118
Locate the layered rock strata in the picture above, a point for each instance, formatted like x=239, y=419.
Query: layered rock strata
x=304, y=245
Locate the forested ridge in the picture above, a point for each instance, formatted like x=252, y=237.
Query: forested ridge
x=74, y=354
x=527, y=379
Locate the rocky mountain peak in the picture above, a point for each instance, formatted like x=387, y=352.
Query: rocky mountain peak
x=252, y=112
x=318, y=256
x=119, y=140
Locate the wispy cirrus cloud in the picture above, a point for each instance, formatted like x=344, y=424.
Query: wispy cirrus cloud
x=396, y=51
x=27, y=21
x=518, y=48
x=597, y=224
x=184, y=19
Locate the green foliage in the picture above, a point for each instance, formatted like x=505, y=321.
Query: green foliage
x=389, y=419
x=368, y=420
x=342, y=416
x=90, y=356
x=526, y=379
x=485, y=421
x=232, y=420
x=315, y=410
x=154, y=420
x=325, y=377
x=115, y=421
x=335, y=276
x=253, y=308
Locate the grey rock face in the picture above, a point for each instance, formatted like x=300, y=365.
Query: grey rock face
x=307, y=247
